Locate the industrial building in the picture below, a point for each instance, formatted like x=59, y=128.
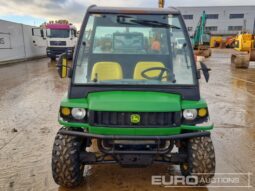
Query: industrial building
x=221, y=20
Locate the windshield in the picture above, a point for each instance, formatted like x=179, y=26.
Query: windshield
x=57, y=33
x=134, y=49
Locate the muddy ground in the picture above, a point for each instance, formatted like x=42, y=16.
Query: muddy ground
x=30, y=93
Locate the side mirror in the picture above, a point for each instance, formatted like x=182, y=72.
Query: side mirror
x=205, y=71
x=62, y=65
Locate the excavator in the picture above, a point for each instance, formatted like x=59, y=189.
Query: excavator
x=201, y=38
x=245, y=50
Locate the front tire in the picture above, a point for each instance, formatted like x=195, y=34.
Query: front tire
x=201, y=159
x=67, y=169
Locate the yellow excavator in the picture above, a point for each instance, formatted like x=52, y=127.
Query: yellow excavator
x=245, y=50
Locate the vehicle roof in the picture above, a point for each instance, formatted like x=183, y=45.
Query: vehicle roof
x=60, y=26
x=57, y=26
x=133, y=10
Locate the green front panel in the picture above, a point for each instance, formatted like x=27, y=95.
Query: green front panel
x=83, y=103
x=136, y=131
x=124, y=101
x=111, y=131
x=187, y=104
x=133, y=101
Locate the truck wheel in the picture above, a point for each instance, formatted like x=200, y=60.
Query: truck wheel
x=201, y=159
x=67, y=169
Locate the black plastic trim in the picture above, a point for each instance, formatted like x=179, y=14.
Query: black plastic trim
x=168, y=119
x=187, y=92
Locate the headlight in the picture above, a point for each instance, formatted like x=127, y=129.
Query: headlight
x=78, y=113
x=190, y=114
x=65, y=111
x=202, y=112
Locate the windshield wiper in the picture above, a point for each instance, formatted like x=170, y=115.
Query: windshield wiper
x=152, y=23
x=123, y=19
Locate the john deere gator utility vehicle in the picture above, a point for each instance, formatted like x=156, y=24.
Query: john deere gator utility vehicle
x=135, y=93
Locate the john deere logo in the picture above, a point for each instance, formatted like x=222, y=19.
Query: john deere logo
x=135, y=118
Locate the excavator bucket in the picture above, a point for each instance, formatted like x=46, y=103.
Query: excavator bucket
x=240, y=60
x=203, y=51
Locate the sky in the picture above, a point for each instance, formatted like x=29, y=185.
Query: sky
x=35, y=12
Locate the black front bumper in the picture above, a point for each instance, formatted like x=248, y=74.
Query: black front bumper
x=53, y=52
x=134, y=157
x=128, y=137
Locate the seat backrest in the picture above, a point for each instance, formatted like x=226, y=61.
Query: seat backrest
x=141, y=66
x=106, y=71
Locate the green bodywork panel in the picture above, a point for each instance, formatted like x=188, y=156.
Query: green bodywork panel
x=134, y=101
x=186, y=104
x=94, y=104
x=136, y=131
x=82, y=103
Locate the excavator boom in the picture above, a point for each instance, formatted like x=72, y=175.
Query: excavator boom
x=161, y=3
x=201, y=39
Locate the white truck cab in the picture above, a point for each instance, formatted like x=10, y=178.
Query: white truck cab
x=59, y=38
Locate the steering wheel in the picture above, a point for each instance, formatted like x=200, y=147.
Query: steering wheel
x=169, y=76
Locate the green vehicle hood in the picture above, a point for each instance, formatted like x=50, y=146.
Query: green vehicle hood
x=134, y=101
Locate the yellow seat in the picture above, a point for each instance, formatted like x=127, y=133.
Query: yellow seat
x=141, y=66
x=106, y=71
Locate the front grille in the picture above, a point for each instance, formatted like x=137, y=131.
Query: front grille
x=57, y=43
x=56, y=50
x=123, y=119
